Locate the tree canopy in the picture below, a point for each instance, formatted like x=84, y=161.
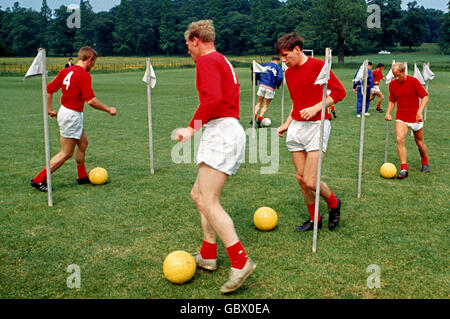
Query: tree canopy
x=140, y=27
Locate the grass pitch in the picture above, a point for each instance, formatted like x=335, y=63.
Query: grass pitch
x=119, y=233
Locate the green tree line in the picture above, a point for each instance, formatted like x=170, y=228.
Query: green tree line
x=142, y=27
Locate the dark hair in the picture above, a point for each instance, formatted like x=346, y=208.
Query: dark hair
x=380, y=65
x=369, y=63
x=288, y=42
x=276, y=58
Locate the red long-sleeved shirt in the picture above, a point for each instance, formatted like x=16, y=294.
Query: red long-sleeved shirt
x=406, y=95
x=75, y=83
x=218, y=89
x=304, y=93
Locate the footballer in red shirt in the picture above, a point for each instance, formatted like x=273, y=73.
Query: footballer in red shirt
x=406, y=91
x=377, y=77
x=76, y=85
x=303, y=123
x=220, y=152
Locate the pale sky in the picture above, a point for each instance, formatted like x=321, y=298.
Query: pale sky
x=106, y=5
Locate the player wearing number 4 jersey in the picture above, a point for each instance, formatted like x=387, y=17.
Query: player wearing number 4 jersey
x=75, y=84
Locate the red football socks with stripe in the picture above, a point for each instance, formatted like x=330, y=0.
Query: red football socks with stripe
x=238, y=256
x=208, y=250
x=404, y=166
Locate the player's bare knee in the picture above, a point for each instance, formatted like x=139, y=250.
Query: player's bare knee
x=299, y=178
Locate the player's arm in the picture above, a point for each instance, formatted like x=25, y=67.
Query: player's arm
x=423, y=104
x=283, y=128
x=96, y=104
x=310, y=112
x=391, y=106
x=50, y=110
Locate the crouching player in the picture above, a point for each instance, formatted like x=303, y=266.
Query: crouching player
x=303, y=123
x=75, y=84
x=220, y=153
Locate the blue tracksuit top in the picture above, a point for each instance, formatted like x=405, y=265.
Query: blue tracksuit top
x=273, y=77
x=369, y=80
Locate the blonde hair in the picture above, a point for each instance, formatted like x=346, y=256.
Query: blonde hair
x=202, y=29
x=400, y=66
x=86, y=52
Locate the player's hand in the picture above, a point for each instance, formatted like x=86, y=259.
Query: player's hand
x=183, y=134
x=354, y=90
x=52, y=113
x=112, y=111
x=388, y=117
x=419, y=117
x=283, y=128
x=310, y=112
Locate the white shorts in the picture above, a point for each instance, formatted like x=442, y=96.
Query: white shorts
x=222, y=145
x=375, y=89
x=70, y=123
x=305, y=136
x=413, y=126
x=266, y=92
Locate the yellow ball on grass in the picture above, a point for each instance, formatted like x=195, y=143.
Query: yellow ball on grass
x=265, y=218
x=179, y=267
x=98, y=175
x=388, y=170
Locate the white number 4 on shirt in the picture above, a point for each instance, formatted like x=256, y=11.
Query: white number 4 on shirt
x=66, y=81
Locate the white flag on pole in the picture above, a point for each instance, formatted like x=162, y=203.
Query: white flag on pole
x=427, y=74
x=36, y=67
x=390, y=75
x=150, y=79
x=324, y=74
x=284, y=66
x=418, y=75
x=258, y=68
x=406, y=67
x=360, y=75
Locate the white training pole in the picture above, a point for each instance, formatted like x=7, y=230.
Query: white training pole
x=319, y=164
x=426, y=107
x=253, y=101
x=387, y=142
x=149, y=104
x=363, y=116
x=282, y=100
x=46, y=129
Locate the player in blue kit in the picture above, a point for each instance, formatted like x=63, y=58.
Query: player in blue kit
x=268, y=81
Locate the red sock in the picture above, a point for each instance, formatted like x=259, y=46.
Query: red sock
x=331, y=201
x=81, y=170
x=378, y=106
x=208, y=250
x=238, y=256
x=256, y=115
x=260, y=118
x=41, y=177
x=404, y=166
x=311, y=208
x=424, y=160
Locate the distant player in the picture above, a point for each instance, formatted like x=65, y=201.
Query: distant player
x=358, y=89
x=220, y=153
x=303, y=124
x=75, y=84
x=377, y=77
x=406, y=91
x=268, y=81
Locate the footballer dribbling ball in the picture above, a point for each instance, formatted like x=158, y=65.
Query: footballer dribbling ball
x=179, y=267
x=98, y=176
x=266, y=122
x=388, y=170
x=265, y=218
